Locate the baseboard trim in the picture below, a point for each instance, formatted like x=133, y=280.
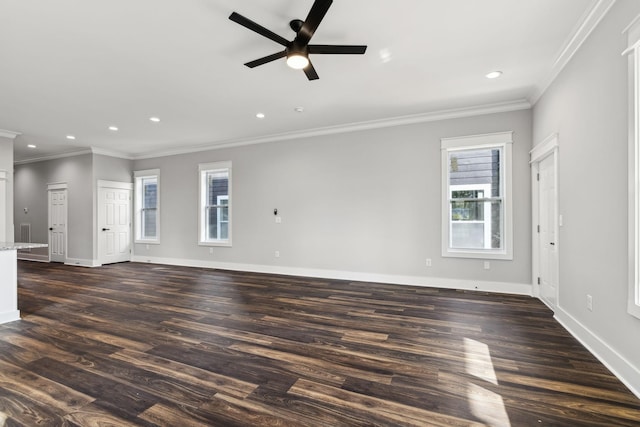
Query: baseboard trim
x=628, y=374
x=9, y=316
x=433, y=282
x=80, y=262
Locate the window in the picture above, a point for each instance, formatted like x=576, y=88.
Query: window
x=215, y=204
x=147, y=206
x=476, y=196
x=633, y=52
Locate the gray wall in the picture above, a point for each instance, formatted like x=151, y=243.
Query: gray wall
x=111, y=168
x=365, y=201
x=31, y=181
x=587, y=106
x=6, y=164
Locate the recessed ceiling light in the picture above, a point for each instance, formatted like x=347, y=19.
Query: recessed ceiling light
x=298, y=109
x=260, y=115
x=71, y=137
x=154, y=119
x=494, y=74
x=385, y=55
x=31, y=146
x=113, y=128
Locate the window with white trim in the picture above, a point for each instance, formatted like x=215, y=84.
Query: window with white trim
x=476, y=196
x=215, y=204
x=633, y=52
x=147, y=206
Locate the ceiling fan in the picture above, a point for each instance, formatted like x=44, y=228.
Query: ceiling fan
x=297, y=51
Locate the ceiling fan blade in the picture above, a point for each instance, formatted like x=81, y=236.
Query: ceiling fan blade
x=310, y=71
x=337, y=49
x=266, y=59
x=316, y=14
x=253, y=26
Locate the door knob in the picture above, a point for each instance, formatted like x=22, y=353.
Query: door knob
x=552, y=243
x=50, y=228
x=105, y=229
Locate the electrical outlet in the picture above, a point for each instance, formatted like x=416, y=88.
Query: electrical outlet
x=589, y=302
x=277, y=254
x=487, y=265
x=428, y=262
x=278, y=220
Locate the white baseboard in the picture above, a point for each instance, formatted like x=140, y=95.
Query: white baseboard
x=9, y=316
x=434, y=282
x=79, y=262
x=628, y=374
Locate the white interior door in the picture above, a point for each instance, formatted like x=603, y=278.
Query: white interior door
x=58, y=225
x=547, y=239
x=114, y=224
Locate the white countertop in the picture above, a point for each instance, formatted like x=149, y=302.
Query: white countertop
x=12, y=246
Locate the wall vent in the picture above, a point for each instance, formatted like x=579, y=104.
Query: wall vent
x=25, y=234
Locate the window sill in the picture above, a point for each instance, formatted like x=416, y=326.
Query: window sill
x=147, y=242
x=220, y=243
x=463, y=253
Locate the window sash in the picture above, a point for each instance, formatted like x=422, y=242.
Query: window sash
x=144, y=225
x=216, y=227
x=146, y=183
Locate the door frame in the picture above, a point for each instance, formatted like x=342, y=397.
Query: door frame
x=4, y=177
x=548, y=147
x=57, y=186
x=121, y=186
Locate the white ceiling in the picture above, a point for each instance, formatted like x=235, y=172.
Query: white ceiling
x=75, y=67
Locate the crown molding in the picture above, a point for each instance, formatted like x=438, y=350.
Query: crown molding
x=111, y=153
x=456, y=113
x=52, y=157
x=502, y=107
x=587, y=23
x=90, y=150
x=9, y=134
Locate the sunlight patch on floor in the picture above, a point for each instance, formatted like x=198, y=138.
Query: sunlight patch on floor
x=485, y=404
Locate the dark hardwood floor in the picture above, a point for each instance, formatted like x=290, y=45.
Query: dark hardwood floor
x=138, y=344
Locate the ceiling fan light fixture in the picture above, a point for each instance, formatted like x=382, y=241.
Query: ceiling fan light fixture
x=297, y=61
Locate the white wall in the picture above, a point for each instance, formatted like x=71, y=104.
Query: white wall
x=364, y=202
x=587, y=106
x=6, y=164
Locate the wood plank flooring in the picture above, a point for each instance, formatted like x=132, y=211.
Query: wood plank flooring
x=138, y=344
